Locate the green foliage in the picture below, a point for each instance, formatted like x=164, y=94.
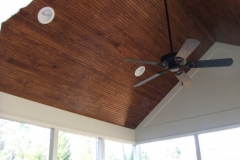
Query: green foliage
x=18, y=141
x=64, y=152
x=174, y=153
x=39, y=156
x=131, y=157
x=86, y=151
x=144, y=155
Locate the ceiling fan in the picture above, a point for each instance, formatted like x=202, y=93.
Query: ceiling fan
x=175, y=61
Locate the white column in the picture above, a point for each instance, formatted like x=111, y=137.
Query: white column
x=53, y=144
x=101, y=149
x=198, y=152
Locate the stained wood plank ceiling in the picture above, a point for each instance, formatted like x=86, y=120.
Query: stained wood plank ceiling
x=75, y=63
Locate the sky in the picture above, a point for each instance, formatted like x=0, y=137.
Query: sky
x=10, y=7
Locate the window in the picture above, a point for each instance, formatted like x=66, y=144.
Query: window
x=180, y=148
x=20, y=141
x=221, y=145
x=71, y=147
x=118, y=151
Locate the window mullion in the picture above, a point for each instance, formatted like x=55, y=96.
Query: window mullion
x=53, y=144
x=198, y=152
x=101, y=149
x=136, y=152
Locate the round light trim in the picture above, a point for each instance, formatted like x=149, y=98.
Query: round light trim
x=139, y=71
x=46, y=15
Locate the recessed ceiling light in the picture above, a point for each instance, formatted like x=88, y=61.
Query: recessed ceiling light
x=46, y=15
x=139, y=71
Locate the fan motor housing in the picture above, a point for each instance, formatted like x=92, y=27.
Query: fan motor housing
x=172, y=63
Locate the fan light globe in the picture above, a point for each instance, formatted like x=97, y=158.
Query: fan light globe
x=139, y=71
x=46, y=15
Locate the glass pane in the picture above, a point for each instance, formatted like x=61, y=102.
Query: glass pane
x=221, y=145
x=20, y=141
x=180, y=149
x=76, y=147
x=118, y=151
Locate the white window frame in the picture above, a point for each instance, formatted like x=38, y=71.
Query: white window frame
x=101, y=141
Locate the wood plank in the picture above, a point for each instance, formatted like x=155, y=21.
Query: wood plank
x=75, y=63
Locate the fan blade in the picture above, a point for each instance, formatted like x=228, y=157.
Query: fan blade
x=150, y=78
x=183, y=77
x=188, y=47
x=141, y=61
x=210, y=63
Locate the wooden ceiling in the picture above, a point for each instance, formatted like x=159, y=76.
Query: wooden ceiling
x=75, y=63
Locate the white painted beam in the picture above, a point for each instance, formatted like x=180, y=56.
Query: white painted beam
x=26, y=111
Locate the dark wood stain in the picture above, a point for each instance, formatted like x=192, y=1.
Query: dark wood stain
x=75, y=62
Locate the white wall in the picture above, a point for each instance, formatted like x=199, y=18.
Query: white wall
x=22, y=110
x=212, y=102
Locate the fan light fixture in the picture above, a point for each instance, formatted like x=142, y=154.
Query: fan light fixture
x=46, y=15
x=139, y=71
x=175, y=61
